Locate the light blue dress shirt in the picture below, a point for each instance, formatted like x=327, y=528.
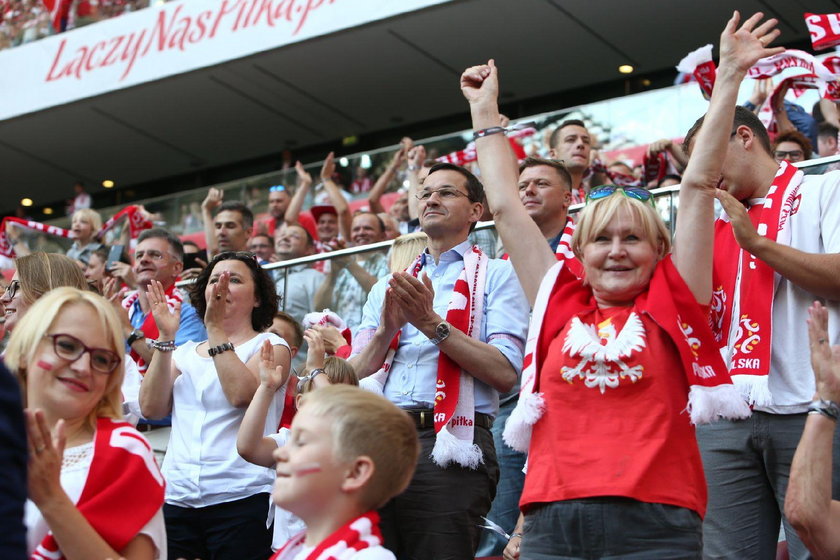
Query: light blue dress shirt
x=504, y=325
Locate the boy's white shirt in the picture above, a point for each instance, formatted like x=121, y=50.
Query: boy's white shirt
x=286, y=523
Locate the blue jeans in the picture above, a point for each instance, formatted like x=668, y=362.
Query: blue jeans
x=747, y=464
x=611, y=528
x=505, y=508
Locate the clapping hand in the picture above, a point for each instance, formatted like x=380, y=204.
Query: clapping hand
x=271, y=375
x=167, y=321
x=825, y=359
x=45, y=454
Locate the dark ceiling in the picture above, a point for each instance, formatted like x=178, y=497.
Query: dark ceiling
x=383, y=76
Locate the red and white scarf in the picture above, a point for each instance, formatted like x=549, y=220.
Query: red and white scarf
x=742, y=303
x=563, y=251
x=671, y=305
x=122, y=471
x=7, y=248
x=824, y=30
x=454, y=409
x=149, y=327
x=698, y=63
x=359, y=534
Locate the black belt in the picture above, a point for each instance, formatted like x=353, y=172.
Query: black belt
x=424, y=418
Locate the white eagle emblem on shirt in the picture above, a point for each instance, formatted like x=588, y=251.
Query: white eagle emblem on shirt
x=602, y=352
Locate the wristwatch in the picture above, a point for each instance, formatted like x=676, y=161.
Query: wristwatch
x=441, y=333
x=135, y=335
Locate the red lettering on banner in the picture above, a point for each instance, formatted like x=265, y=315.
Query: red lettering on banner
x=173, y=29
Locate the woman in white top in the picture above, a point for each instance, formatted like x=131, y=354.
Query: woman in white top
x=94, y=488
x=216, y=503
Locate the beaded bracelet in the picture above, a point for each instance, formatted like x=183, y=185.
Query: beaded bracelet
x=161, y=345
x=216, y=350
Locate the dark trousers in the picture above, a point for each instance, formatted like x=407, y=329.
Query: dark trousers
x=611, y=528
x=232, y=530
x=439, y=513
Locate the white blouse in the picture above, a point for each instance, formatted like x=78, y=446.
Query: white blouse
x=202, y=467
x=74, y=472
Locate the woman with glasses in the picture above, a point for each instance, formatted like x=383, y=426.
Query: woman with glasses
x=217, y=504
x=621, y=363
x=94, y=488
x=37, y=274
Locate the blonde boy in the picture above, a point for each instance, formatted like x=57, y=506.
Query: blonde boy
x=350, y=451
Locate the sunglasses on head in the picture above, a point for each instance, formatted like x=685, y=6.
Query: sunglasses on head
x=276, y=188
x=638, y=193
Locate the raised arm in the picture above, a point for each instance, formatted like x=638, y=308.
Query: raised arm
x=808, y=503
x=375, y=194
x=156, y=388
x=342, y=209
x=740, y=48
x=416, y=157
x=530, y=254
x=251, y=442
x=239, y=380
x=296, y=204
x=212, y=201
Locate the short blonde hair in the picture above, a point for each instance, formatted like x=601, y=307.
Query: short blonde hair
x=29, y=333
x=41, y=272
x=90, y=216
x=367, y=424
x=597, y=214
x=405, y=249
x=338, y=371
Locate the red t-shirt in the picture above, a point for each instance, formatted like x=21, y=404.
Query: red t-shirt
x=618, y=431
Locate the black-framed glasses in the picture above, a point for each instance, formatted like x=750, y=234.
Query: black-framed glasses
x=792, y=155
x=276, y=188
x=445, y=193
x=68, y=347
x=12, y=288
x=638, y=193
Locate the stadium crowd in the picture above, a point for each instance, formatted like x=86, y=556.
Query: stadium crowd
x=657, y=382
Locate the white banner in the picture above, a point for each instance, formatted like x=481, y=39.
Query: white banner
x=170, y=39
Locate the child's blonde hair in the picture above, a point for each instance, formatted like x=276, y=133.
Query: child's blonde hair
x=338, y=371
x=405, y=249
x=367, y=424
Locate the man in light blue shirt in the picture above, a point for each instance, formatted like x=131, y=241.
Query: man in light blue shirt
x=439, y=514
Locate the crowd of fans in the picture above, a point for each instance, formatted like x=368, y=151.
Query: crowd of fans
x=24, y=21
x=397, y=391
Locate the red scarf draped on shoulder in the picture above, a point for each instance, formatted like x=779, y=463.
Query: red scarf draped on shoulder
x=123, y=490
x=669, y=303
x=742, y=303
x=454, y=409
x=358, y=534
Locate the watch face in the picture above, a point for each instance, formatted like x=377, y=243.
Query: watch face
x=442, y=330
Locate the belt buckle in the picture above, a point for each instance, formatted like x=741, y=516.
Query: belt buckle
x=422, y=418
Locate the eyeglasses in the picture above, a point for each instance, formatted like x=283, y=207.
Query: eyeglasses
x=276, y=188
x=640, y=194
x=71, y=348
x=151, y=253
x=445, y=193
x=12, y=288
x=792, y=155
